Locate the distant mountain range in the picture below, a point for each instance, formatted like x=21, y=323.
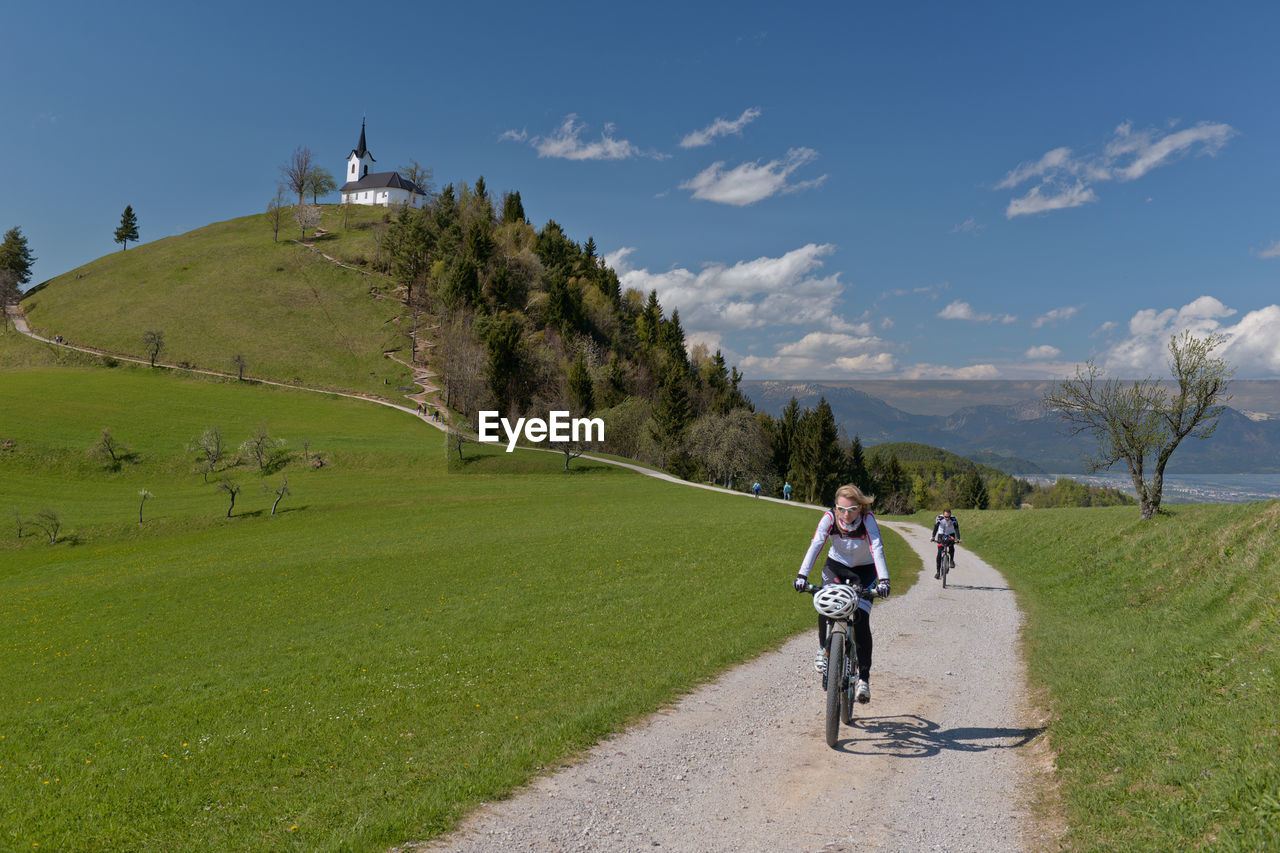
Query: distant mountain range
x=1005, y=426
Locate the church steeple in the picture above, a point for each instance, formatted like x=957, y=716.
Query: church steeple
x=359, y=160
x=362, y=149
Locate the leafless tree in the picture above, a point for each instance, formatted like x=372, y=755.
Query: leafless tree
x=239, y=364
x=232, y=489
x=296, y=169
x=144, y=495
x=211, y=449
x=264, y=449
x=307, y=216
x=279, y=493
x=420, y=176
x=50, y=522
x=275, y=213
x=152, y=343
x=111, y=451
x=19, y=520
x=1142, y=422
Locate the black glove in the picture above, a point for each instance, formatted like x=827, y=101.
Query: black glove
x=801, y=583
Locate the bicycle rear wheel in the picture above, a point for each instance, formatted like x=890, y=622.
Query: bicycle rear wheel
x=836, y=685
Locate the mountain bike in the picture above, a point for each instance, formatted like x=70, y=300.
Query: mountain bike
x=947, y=543
x=838, y=602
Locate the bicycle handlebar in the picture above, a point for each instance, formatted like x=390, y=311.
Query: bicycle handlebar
x=858, y=589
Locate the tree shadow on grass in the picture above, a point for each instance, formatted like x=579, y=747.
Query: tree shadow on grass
x=913, y=736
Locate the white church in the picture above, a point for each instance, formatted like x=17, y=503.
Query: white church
x=377, y=188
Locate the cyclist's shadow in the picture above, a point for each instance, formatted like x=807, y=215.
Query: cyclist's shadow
x=912, y=736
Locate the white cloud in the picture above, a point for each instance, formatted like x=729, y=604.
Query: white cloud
x=787, y=290
x=1151, y=151
x=1042, y=353
x=1066, y=180
x=720, y=127
x=946, y=371
x=1055, y=316
x=1272, y=251
x=751, y=182
x=1252, y=345
x=960, y=310
x=566, y=143
x=1035, y=201
x=969, y=226
x=1059, y=159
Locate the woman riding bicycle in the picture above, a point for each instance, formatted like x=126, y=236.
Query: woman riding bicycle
x=945, y=525
x=857, y=556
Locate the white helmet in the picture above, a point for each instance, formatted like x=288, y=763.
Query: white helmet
x=835, y=601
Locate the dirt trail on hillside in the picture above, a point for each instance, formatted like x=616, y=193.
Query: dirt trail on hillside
x=948, y=756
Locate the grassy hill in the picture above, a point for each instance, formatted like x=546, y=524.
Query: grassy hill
x=1158, y=647
x=396, y=645
x=227, y=289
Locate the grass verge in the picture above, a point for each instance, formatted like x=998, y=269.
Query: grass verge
x=1159, y=645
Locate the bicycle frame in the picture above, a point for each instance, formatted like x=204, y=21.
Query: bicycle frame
x=842, y=662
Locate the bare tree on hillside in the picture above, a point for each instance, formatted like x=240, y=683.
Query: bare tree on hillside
x=275, y=213
x=279, y=493
x=421, y=177
x=1142, y=422
x=232, y=488
x=296, y=169
x=211, y=449
x=152, y=343
x=50, y=522
x=110, y=451
x=144, y=495
x=239, y=364
x=268, y=452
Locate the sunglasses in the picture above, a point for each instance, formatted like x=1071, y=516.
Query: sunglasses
x=847, y=510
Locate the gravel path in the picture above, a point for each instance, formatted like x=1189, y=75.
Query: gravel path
x=943, y=759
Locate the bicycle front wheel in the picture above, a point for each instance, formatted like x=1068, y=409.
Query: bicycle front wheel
x=946, y=569
x=836, y=682
x=850, y=683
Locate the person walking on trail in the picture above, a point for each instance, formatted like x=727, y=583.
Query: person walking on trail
x=856, y=556
x=945, y=525
x=756, y=489
x=786, y=491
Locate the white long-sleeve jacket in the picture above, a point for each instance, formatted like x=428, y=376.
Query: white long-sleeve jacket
x=861, y=550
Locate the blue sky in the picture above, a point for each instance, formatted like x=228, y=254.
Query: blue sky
x=824, y=191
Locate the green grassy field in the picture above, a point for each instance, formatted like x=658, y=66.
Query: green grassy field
x=227, y=289
x=396, y=645
x=1159, y=646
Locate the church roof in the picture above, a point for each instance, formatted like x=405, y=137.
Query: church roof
x=362, y=150
x=381, y=180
